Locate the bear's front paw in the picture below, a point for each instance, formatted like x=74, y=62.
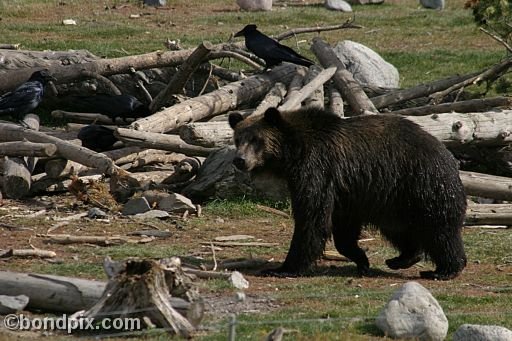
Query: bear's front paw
x=364, y=271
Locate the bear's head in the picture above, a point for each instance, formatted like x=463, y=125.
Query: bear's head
x=257, y=139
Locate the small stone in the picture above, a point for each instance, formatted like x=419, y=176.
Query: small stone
x=176, y=203
x=475, y=332
x=240, y=296
x=238, y=280
x=338, y=5
x=155, y=3
x=136, y=206
x=96, y=213
x=153, y=214
x=432, y=4
x=255, y=5
x=413, y=313
x=12, y=304
x=68, y=22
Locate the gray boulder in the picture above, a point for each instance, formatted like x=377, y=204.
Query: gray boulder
x=255, y=5
x=475, y=332
x=155, y=3
x=367, y=67
x=12, y=304
x=338, y=5
x=413, y=313
x=432, y=4
x=136, y=206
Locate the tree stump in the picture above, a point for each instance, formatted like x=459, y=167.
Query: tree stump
x=142, y=288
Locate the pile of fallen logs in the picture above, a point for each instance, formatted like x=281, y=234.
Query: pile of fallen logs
x=167, y=149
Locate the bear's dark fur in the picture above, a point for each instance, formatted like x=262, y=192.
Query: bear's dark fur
x=346, y=173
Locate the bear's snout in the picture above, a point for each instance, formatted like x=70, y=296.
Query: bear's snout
x=240, y=163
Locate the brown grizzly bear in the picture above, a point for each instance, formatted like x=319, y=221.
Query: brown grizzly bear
x=344, y=174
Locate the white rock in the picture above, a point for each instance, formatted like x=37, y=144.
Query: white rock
x=176, y=203
x=255, y=5
x=68, y=22
x=412, y=312
x=238, y=280
x=367, y=66
x=338, y=5
x=12, y=304
x=475, y=332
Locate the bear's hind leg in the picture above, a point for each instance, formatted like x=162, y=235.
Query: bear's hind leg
x=345, y=236
x=404, y=260
x=447, y=253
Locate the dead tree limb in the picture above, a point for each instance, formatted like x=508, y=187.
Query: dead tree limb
x=487, y=186
x=293, y=103
x=296, y=83
x=211, y=104
x=88, y=117
x=167, y=142
x=497, y=38
x=490, y=73
x=343, y=79
x=12, y=132
x=271, y=99
x=25, y=148
x=472, y=105
x=291, y=33
x=181, y=77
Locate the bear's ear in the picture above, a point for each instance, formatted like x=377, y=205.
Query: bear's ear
x=273, y=116
x=234, y=119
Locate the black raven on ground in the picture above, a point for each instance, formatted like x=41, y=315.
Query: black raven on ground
x=123, y=106
x=25, y=97
x=97, y=137
x=272, y=52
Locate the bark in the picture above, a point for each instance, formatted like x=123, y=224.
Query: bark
x=296, y=83
x=211, y=104
x=293, y=102
x=171, y=143
x=343, y=79
x=489, y=214
x=12, y=132
x=181, y=77
x=489, y=128
x=487, y=186
x=207, y=134
x=473, y=105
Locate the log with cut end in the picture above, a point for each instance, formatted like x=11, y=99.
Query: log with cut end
x=226, y=98
x=271, y=99
x=25, y=148
x=207, y=134
x=141, y=288
x=454, y=129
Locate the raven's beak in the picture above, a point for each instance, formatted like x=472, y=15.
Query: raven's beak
x=239, y=33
